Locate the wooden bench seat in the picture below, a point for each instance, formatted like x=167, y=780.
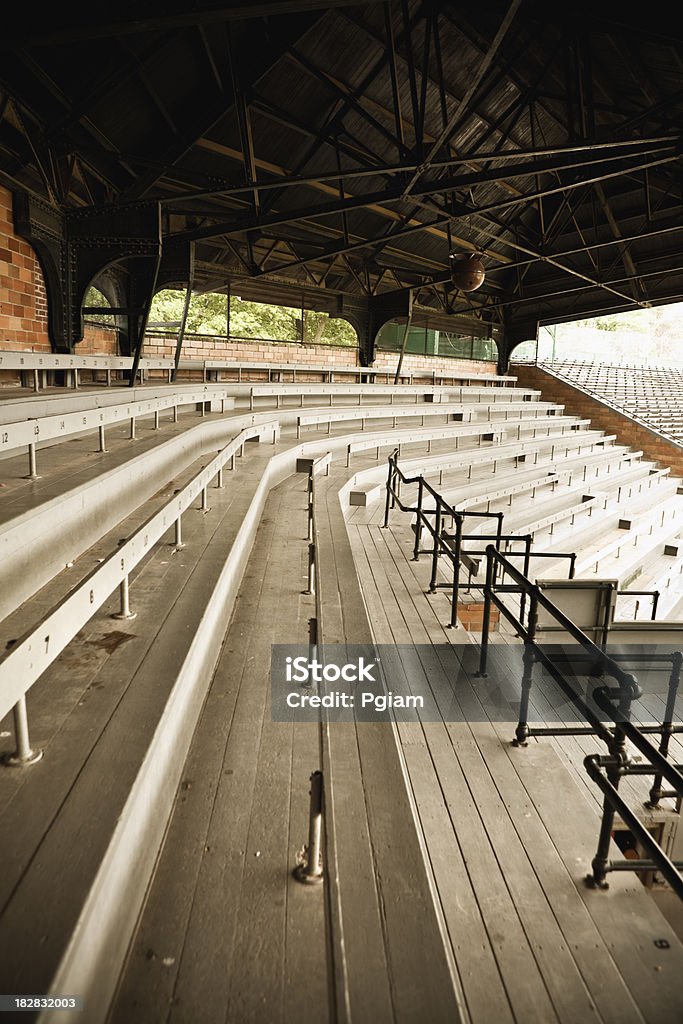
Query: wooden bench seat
x=457, y=411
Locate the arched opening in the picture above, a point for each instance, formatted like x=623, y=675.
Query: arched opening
x=95, y=300
x=426, y=339
x=229, y=316
x=634, y=337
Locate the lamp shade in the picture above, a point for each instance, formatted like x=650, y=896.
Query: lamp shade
x=467, y=271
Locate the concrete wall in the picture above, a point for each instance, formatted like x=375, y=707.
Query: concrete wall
x=602, y=416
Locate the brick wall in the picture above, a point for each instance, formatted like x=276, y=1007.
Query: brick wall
x=284, y=352
x=99, y=341
x=23, y=301
x=602, y=416
x=429, y=363
x=195, y=347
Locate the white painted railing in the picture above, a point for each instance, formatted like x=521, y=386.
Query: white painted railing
x=73, y=363
x=29, y=433
x=31, y=655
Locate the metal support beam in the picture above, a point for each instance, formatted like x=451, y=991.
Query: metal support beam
x=75, y=245
x=475, y=82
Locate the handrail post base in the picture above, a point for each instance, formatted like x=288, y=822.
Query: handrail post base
x=309, y=869
x=25, y=754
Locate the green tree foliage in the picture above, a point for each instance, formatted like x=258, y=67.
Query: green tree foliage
x=258, y=320
x=653, y=336
x=630, y=321
x=93, y=297
x=322, y=329
x=208, y=314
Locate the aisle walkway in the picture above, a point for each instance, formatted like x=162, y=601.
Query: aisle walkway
x=227, y=933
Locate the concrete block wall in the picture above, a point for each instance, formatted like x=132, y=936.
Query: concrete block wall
x=602, y=416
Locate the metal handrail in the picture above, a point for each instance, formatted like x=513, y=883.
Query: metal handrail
x=442, y=542
x=654, y=594
x=602, y=864
x=442, y=507
x=323, y=461
x=617, y=764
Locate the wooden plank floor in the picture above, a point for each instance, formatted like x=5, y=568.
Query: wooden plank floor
x=391, y=960
x=511, y=832
x=93, y=714
x=227, y=933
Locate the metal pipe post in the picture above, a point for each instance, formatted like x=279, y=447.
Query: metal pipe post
x=456, y=571
x=600, y=863
x=32, y=465
x=311, y=569
x=486, y=617
x=656, y=792
x=309, y=531
x=435, y=549
x=618, y=758
x=528, y=660
x=310, y=871
x=525, y=572
x=24, y=754
x=418, y=520
x=124, y=612
x=655, y=603
x=389, y=487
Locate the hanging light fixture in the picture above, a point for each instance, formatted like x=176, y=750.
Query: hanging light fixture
x=467, y=270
